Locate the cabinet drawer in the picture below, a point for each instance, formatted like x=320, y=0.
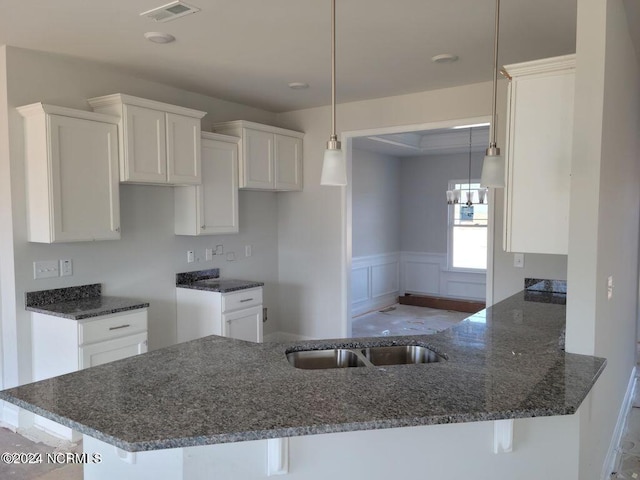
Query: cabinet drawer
x=242, y=299
x=112, y=326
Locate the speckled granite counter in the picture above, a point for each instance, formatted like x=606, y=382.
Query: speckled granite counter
x=503, y=362
x=209, y=281
x=77, y=303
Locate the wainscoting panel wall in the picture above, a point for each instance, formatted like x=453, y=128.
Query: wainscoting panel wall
x=428, y=274
x=377, y=280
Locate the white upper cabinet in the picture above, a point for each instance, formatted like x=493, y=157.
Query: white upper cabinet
x=71, y=174
x=160, y=143
x=270, y=157
x=288, y=151
x=539, y=147
x=211, y=208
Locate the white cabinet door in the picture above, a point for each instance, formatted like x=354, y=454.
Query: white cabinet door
x=183, y=149
x=243, y=324
x=539, y=148
x=145, y=153
x=257, y=170
x=218, y=195
x=288, y=154
x=84, y=158
x=111, y=350
x=212, y=208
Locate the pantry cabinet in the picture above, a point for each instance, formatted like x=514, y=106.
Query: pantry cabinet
x=270, y=157
x=538, y=155
x=62, y=345
x=159, y=144
x=211, y=208
x=71, y=168
x=235, y=314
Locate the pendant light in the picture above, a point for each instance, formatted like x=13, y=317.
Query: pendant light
x=455, y=196
x=493, y=165
x=334, y=167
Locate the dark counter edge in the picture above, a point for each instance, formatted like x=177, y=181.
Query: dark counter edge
x=82, y=316
x=248, y=285
x=307, y=430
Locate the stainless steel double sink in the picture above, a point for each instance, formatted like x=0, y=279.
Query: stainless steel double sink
x=362, y=357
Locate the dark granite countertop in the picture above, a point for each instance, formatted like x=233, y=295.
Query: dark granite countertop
x=210, y=281
x=502, y=363
x=78, y=303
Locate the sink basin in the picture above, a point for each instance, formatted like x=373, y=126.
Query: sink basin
x=362, y=357
x=400, y=355
x=321, y=359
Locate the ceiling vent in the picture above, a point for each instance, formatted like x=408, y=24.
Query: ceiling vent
x=170, y=11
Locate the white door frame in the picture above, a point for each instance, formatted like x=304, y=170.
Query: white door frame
x=347, y=141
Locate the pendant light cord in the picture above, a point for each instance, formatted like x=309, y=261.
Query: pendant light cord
x=492, y=128
x=333, y=70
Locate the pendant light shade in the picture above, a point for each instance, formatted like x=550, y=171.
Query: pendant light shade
x=493, y=165
x=334, y=169
x=334, y=166
x=493, y=171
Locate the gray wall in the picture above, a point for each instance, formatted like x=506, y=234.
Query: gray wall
x=423, y=204
x=143, y=264
x=604, y=217
x=376, y=203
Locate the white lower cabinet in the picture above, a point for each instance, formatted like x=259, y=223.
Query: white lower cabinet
x=61, y=346
x=235, y=314
x=243, y=324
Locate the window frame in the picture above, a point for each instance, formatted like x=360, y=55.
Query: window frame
x=450, y=225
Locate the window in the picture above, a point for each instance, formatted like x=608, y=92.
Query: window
x=468, y=229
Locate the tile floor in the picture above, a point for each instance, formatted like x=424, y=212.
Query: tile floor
x=15, y=443
x=404, y=320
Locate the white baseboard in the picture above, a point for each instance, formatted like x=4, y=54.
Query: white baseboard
x=610, y=459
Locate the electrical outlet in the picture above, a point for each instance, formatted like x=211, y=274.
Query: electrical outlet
x=66, y=268
x=518, y=260
x=208, y=254
x=610, y=287
x=219, y=250
x=190, y=256
x=247, y=250
x=46, y=269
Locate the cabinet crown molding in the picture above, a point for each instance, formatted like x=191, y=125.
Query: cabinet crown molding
x=40, y=108
x=220, y=137
x=544, y=65
x=256, y=126
x=121, y=98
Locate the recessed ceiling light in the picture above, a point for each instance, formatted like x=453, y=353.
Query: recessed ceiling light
x=444, y=58
x=159, y=37
x=298, y=85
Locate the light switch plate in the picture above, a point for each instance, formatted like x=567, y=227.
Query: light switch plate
x=46, y=269
x=190, y=256
x=518, y=260
x=208, y=254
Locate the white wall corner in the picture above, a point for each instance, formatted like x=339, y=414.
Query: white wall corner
x=503, y=436
x=277, y=456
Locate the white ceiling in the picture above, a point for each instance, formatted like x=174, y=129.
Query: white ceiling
x=426, y=142
x=249, y=50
